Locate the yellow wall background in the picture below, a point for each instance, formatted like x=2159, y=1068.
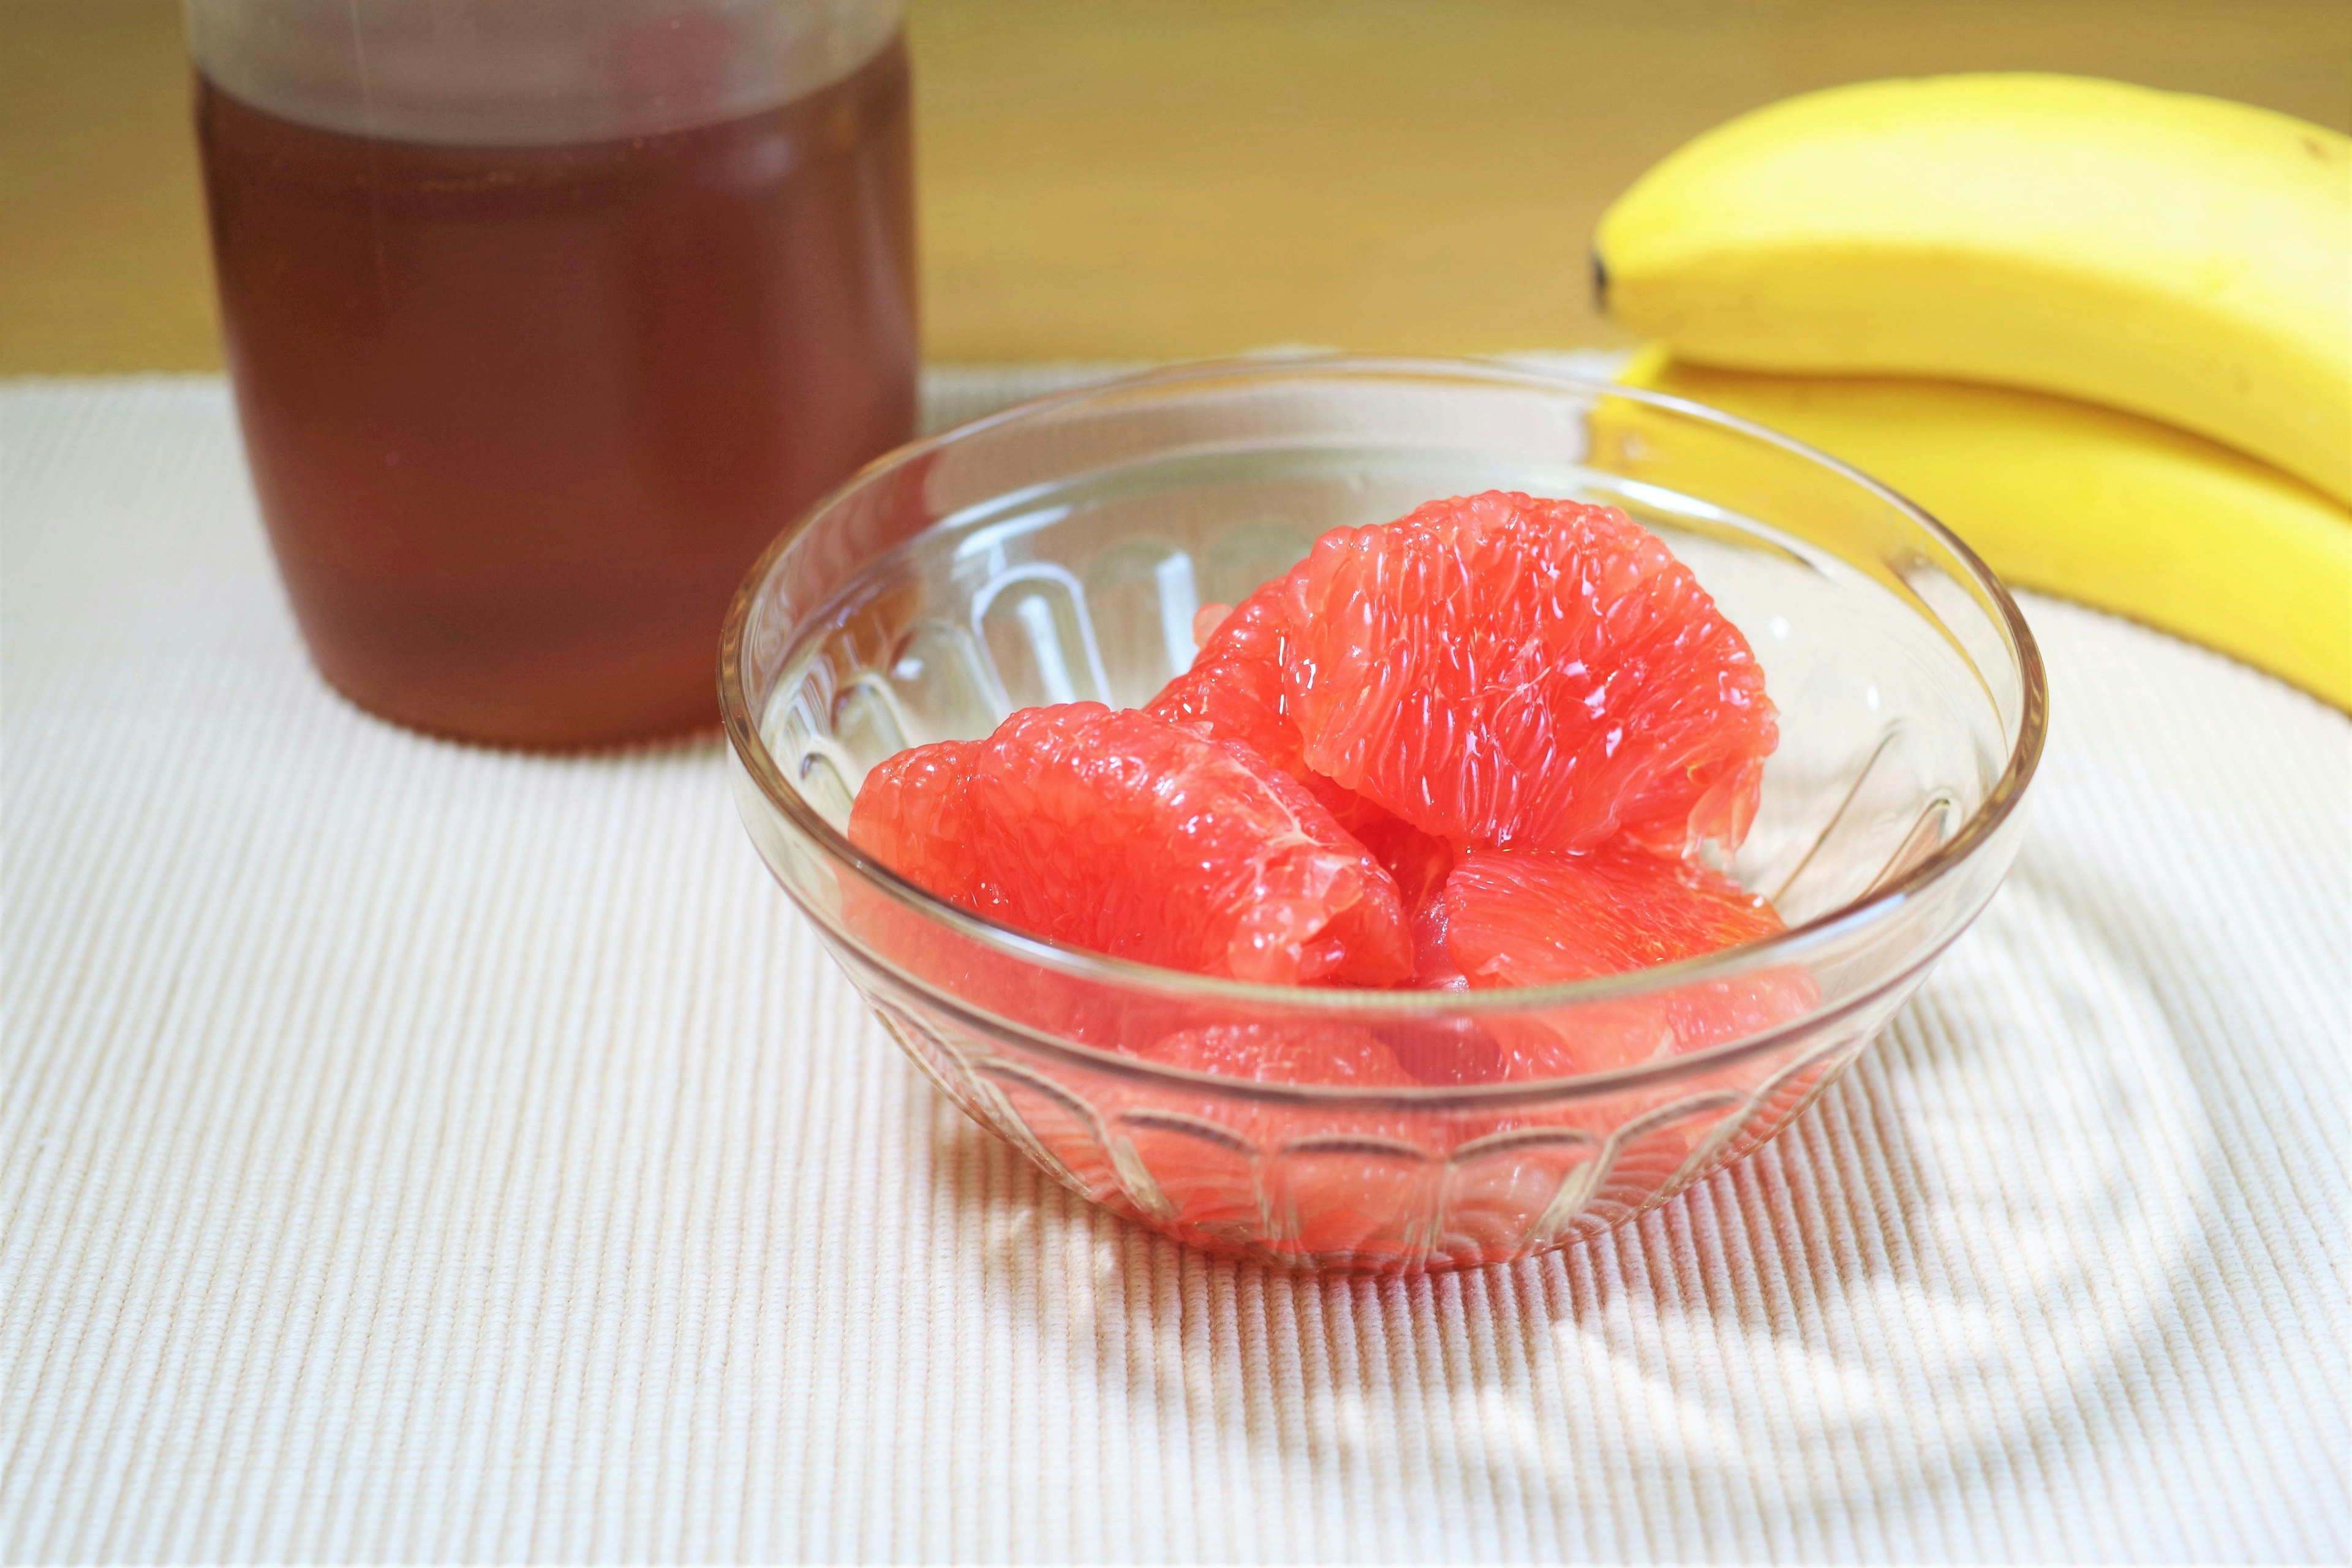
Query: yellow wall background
x=1153, y=178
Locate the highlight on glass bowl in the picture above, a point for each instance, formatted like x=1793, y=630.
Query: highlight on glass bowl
x=1379, y=814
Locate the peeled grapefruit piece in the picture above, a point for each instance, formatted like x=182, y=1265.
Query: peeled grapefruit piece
x=1497, y=670
x=1126, y=835
x=1520, y=918
x=1234, y=691
x=1531, y=918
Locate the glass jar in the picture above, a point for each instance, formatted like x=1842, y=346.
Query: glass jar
x=543, y=316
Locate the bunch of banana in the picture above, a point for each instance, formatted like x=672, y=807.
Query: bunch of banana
x=2104, y=332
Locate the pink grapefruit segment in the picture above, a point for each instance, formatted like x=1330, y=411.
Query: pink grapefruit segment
x=1520, y=918
x=1126, y=835
x=1541, y=674
x=1495, y=669
x=1532, y=918
x=1234, y=692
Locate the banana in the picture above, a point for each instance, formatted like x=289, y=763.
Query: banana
x=2117, y=512
x=2182, y=258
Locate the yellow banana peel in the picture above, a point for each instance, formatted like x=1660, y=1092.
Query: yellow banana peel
x=2086, y=503
x=2179, y=256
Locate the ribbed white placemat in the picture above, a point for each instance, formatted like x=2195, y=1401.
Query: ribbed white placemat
x=416, y=1152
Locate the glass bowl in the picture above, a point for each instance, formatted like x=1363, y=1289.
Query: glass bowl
x=1057, y=551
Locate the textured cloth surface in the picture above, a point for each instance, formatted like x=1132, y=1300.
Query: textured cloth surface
x=417, y=1152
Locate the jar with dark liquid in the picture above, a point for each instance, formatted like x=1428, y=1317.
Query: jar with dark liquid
x=544, y=316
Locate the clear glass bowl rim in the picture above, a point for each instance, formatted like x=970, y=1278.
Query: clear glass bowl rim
x=1789, y=946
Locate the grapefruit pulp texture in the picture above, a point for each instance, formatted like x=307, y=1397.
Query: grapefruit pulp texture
x=1496, y=670
x=1120, y=833
x=1473, y=748
x=1536, y=918
x=1520, y=918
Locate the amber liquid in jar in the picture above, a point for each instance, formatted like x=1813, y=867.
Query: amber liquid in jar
x=520, y=418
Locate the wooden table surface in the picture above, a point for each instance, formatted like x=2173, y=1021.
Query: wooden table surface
x=1149, y=178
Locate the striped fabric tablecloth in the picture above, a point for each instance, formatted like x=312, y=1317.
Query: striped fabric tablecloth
x=411, y=1153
